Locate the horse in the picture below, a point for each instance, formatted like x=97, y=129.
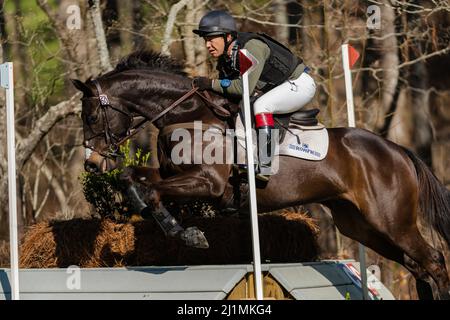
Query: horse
x=375, y=189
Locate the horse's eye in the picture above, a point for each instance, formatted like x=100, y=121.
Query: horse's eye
x=91, y=119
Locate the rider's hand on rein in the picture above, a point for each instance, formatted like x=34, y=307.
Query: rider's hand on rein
x=202, y=83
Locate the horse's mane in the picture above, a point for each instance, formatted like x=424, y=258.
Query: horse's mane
x=149, y=60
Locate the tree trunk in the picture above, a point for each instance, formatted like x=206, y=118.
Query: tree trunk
x=138, y=23
x=125, y=10
x=79, y=37
x=329, y=73
x=294, y=14
x=389, y=63
x=3, y=33
x=20, y=57
x=194, y=48
x=167, y=39
x=65, y=36
x=307, y=34
x=420, y=96
x=281, y=17
x=102, y=47
x=441, y=161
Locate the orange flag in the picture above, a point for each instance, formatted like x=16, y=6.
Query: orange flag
x=353, y=55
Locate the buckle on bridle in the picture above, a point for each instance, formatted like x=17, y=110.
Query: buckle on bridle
x=104, y=101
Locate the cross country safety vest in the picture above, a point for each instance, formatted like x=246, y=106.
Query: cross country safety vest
x=277, y=68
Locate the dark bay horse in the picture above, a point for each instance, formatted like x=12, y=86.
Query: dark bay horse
x=374, y=188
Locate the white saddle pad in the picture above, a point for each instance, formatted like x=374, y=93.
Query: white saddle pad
x=309, y=143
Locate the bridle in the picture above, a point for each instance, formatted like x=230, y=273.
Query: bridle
x=113, y=142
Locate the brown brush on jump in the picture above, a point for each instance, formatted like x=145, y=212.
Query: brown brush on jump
x=285, y=237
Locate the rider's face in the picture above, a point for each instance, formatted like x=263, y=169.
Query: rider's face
x=215, y=45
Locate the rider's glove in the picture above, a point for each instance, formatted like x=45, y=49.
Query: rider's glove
x=202, y=83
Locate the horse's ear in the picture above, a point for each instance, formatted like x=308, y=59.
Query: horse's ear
x=81, y=86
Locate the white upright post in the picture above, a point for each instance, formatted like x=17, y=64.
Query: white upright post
x=252, y=184
x=352, y=123
x=7, y=82
x=348, y=86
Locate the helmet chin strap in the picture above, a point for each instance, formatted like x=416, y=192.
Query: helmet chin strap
x=227, y=44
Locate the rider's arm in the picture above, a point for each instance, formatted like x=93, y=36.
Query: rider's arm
x=261, y=52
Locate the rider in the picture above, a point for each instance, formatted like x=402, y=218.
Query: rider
x=280, y=78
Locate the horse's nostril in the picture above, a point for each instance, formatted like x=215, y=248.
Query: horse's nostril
x=90, y=167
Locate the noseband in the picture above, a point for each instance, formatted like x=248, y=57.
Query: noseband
x=113, y=142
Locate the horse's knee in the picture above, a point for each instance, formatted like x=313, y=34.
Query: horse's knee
x=416, y=270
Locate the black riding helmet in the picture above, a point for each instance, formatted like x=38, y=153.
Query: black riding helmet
x=217, y=23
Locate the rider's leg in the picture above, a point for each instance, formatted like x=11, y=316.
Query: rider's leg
x=266, y=147
x=288, y=97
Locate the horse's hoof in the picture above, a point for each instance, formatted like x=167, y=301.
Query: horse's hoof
x=195, y=238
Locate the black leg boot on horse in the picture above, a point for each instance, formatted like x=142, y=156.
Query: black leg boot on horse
x=191, y=236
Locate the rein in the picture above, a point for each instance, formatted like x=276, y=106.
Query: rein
x=133, y=130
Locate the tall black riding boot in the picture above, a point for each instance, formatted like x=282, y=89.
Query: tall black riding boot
x=266, y=145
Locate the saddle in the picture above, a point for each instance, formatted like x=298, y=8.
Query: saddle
x=305, y=117
x=302, y=119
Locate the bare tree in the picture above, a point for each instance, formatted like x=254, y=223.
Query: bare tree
x=102, y=47
x=125, y=9
x=194, y=50
x=281, y=18
x=167, y=39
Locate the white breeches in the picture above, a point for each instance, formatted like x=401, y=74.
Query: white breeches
x=288, y=97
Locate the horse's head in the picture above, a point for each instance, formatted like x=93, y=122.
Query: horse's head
x=144, y=84
x=106, y=122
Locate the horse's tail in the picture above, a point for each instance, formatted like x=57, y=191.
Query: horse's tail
x=434, y=198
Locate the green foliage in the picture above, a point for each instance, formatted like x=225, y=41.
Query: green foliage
x=105, y=191
x=139, y=159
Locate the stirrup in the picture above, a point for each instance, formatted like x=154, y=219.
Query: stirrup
x=264, y=173
x=262, y=177
x=242, y=169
